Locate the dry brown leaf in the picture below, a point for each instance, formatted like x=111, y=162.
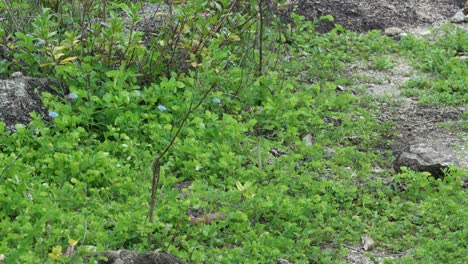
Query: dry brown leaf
x=207, y=219
x=367, y=242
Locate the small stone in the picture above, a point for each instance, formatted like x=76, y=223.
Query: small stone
x=90, y=248
x=393, y=31
x=425, y=32
x=17, y=74
x=282, y=261
x=308, y=139
x=367, y=242
x=459, y=17
x=340, y=88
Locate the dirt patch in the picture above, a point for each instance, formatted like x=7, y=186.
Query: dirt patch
x=131, y=257
x=360, y=256
x=20, y=96
x=421, y=123
x=365, y=15
x=416, y=123
x=382, y=83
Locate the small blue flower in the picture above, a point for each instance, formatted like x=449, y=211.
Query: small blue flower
x=53, y=114
x=137, y=93
x=39, y=43
x=72, y=96
x=216, y=100
x=162, y=108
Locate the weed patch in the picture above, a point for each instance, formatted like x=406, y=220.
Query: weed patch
x=208, y=87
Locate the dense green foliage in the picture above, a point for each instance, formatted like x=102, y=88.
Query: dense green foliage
x=85, y=175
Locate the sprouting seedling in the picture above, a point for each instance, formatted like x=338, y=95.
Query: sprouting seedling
x=244, y=188
x=56, y=253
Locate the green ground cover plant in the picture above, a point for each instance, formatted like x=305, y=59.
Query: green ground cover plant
x=228, y=87
x=440, y=58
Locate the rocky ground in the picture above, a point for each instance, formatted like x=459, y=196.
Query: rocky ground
x=422, y=139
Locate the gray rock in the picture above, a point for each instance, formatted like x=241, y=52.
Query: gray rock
x=282, y=261
x=459, y=17
x=426, y=157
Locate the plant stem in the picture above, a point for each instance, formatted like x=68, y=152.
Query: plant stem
x=156, y=168
x=260, y=48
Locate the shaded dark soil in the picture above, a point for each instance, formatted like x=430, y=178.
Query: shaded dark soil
x=365, y=15
x=20, y=96
x=131, y=257
x=420, y=122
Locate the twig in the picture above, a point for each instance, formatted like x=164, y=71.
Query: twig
x=156, y=168
x=259, y=153
x=260, y=48
x=353, y=248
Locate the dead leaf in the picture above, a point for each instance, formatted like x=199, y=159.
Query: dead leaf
x=308, y=139
x=207, y=219
x=367, y=242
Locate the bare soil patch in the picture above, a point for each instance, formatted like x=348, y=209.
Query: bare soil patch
x=416, y=123
x=20, y=96
x=365, y=15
